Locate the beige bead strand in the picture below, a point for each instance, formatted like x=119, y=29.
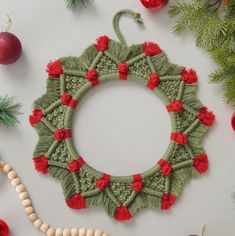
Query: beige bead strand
x=33, y=217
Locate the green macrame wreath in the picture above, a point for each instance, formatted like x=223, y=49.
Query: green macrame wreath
x=107, y=60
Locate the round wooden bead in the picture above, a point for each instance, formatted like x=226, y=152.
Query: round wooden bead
x=66, y=232
x=7, y=168
x=37, y=223
x=15, y=182
x=24, y=195
x=20, y=188
x=105, y=234
x=98, y=232
x=11, y=175
x=2, y=164
x=82, y=232
x=29, y=210
x=44, y=227
x=32, y=217
x=26, y=203
x=90, y=232
x=74, y=232
x=51, y=231
x=59, y=232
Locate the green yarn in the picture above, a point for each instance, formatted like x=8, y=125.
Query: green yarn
x=58, y=116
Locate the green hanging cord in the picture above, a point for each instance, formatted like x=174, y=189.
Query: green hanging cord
x=116, y=19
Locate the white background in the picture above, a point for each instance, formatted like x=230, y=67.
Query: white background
x=120, y=128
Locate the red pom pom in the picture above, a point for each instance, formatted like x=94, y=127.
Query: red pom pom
x=206, y=117
x=233, y=121
x=76, y=202
x=151, y=49
x=154, y=81
x=200, y=162
x=103, y=182
x=167, y=201
x=92, y=77
x=180, y=138
x=102, y=43
x=36, y=117
x=137, y=186
x=189, y=76
x=54, y=69
x=61, y=134
x=4, y=229
x=122, y=214
x=175, y=106
x=41, y=164
x=165, y=166
x=123, y=70
x=76, y=165
x=67, y=100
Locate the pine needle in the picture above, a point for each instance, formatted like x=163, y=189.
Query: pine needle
x=71, y=4
x=9, y=110
x=213, y=24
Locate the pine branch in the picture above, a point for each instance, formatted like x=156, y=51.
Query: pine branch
x=71, y=4
x=213, y=24
x=9, y=110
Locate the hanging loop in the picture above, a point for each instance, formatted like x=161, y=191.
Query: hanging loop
x=116, y=20
x=7, y=24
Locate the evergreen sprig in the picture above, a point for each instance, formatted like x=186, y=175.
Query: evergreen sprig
x=71, y=4
x=9, y=110
x=213, y=24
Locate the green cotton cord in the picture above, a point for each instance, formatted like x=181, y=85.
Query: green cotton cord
x=74, y=82
x=116, y=21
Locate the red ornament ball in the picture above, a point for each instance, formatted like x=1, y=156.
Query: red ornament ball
x=154, y=4
x=10, y=48
x=4, y=229
x=233, y=121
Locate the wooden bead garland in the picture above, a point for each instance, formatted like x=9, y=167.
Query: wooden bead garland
x=33, y=217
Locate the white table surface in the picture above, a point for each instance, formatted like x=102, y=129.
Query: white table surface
x=122, y=124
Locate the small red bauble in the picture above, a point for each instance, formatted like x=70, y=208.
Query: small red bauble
x=4, y=229
x=10, y=48
x=154, y=4
x=233, y=121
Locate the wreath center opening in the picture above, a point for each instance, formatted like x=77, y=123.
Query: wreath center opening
x=121, y=128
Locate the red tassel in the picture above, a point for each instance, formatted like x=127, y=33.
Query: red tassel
x=175, y=106
x=151, y=49
x=206, y=117
x=54, y=69
x=123, y=70
x=165, y=166
x=180, y=138
x=189, y=76
x=41, y=164
x=102, y=43
x=103, y=182
x=154, y=81
x=4, y=229
x=200, y=163
x=167, y=201
x=36, y=117
x=76, y=202
x=122, y=214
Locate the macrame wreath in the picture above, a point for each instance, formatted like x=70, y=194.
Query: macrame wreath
x=107, y=60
